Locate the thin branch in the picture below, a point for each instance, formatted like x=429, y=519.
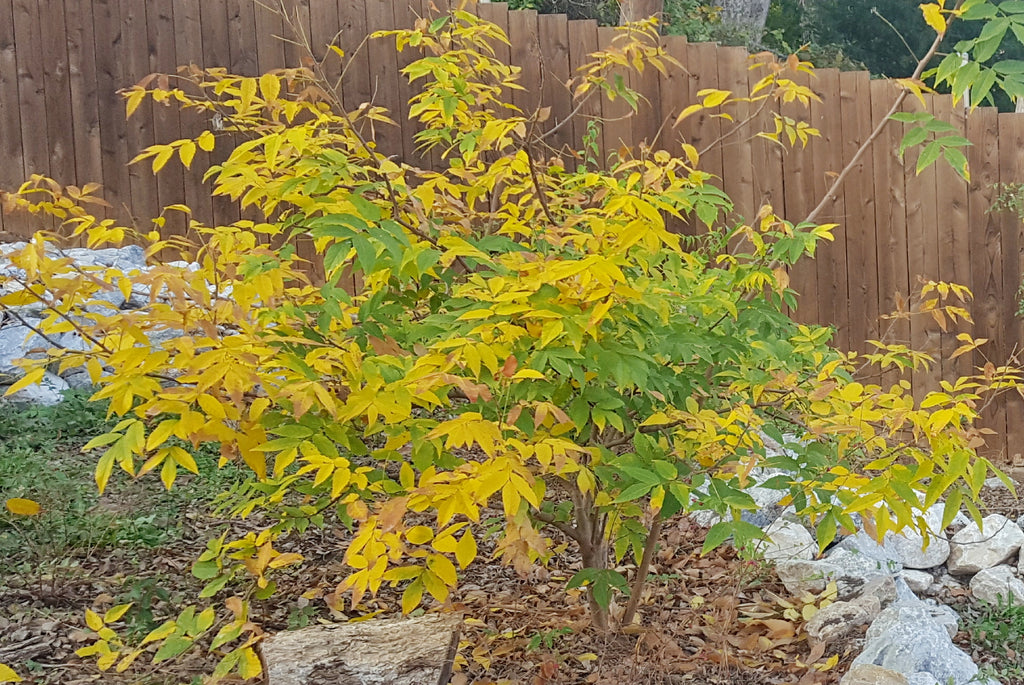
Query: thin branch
x=642, y=571
x=833, y=190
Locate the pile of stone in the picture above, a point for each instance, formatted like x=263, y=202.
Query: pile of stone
x=20, y=333
x=895, y=588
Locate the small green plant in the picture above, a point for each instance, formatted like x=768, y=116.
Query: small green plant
x=547, y=639
x=996, y=631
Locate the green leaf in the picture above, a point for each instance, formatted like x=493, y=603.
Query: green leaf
x=914, y=136
x=634, y=492
x=928, y=155
x=826, y=531
x=717, y=534
x=173, y=646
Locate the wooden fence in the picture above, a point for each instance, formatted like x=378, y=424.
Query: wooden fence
x=61, y=62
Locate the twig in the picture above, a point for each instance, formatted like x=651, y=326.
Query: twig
x=641, y=572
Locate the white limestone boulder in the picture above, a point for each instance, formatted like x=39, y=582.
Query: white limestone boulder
x=973, y=549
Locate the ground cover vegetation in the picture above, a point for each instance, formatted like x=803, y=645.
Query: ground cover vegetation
x=531, y=366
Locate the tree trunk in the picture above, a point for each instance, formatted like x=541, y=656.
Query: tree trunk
x=634, y=10
x=747, y=15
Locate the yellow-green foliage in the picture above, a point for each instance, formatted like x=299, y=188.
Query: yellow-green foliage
x=527, y=337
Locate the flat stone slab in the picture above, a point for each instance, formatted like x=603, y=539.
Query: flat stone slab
x=403, y=651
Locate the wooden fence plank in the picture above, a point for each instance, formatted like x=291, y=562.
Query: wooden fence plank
x=523, y=34
x=922, y=255
x=297, y=31
x=798, y=168
x=986, y=255
x=857, y=232
x=647, y=124
x=830, y=256
x=12, y=171
x=217, y=53
x=737, y=152
x=325, y=27
x=766, y=156
x=82, y=81
x=583, y=41
x=890, y=218
x=110, y=76
x=618, y=117
x=57, y=92
x=953, y=240
x=553, y=33
x=355, y=84
x=167, y=119
x=31, y=88
x=704, y=128
x=188, y=47
x=1011, y=170
x=270, y=37
x=384, y=75
x=405, y=18
x=242, y=43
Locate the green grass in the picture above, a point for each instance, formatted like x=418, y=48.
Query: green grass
x=41, y=459
x=996, y=634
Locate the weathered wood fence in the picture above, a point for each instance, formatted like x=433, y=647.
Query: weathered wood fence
x=61, y=62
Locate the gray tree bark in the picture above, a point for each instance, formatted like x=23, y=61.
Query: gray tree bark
x=747, y=15
x=634, y=10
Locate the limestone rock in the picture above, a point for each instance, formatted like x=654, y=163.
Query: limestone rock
x=839, y=619
x=905, y=613
x=788, y=539
x=914, y=644
x=973, y=550
x=909, y=545
x=918, y=581
x=869, y=674
x=991, y=584
x=386, y=652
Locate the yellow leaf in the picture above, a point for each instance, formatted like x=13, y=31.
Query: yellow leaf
x=93, y=620
x=933, y=15
x=7, y=675
x=23, y=507
x=249, y=664
x=187, y=153
x=713, y=97
x=30, y=378
x=688, y=111
x=412, y=596
x=162, y=158
x=419, y=535
x=270, y=87
x=465, y=551
x=115, y=613
x=206, y=141
x=134, y=100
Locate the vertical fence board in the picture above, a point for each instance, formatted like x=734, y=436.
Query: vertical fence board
x=405, y=18
x=648, y=118
x=1011, y=170
x=31, y=89
x=766, y=156
x=523, y=34
x=270, y=35
x=553, y=32
x=324, y=27
x=110, y=76
x=242, y=38
x=188, y=46
x=355, y=82
x=82, y=82
x=583, y=41
x=12, y=171
x=618, y=116
x=704, y=128
x=954, y=246
x=830, y=256
x=297, y=31
x=737, y=152
x=57, y=92
x=857, y=231
x=798, y=165
x=167, y=120
x=986, y=254
x=217, y=53
x=384, y=75
x=922, y=256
